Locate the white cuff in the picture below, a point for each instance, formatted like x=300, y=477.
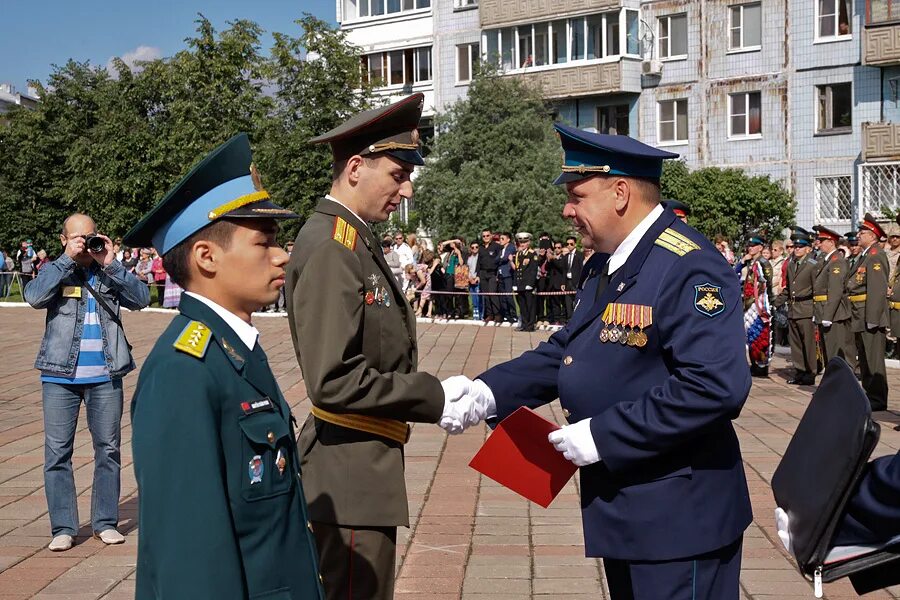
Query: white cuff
x=482, y=390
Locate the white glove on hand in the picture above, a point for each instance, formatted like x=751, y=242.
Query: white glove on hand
x=826, y=323
x=483, y=395
x=460, y=409
x=871, y=326
x=782, y=524
x=576, y=443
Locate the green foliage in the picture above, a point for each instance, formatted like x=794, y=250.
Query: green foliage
x=112, y=144
x=728, y=201
x=492, y=164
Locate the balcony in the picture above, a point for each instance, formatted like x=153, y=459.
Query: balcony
x=495, y=13
x=881, y=142
x=591, y=79
x=881, y=37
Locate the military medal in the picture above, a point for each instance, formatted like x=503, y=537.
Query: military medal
x=280, y=461
x=614, y=330
x=641, y=337
x=604, y=332
x=626, y=325
x=255, y=469
x=387, y=298
x=370, y=298
x=632, y=324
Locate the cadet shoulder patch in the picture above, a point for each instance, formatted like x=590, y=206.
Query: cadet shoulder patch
x=194, y=339
x=708, y=299
x=676, y=242
x=344, y=233
x=877, y=266
x=836, y=270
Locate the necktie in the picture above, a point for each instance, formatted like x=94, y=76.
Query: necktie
x=603, y=281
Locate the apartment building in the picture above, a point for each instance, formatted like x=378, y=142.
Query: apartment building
x=805, y=91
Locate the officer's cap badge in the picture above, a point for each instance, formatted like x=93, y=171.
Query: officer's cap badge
x=708, y=299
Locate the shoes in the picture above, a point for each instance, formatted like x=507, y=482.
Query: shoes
x=756, y=371
x=802, y=380
x=110, y=537
x=61, y=543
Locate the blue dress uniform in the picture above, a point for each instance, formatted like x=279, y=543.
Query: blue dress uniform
x=222, y=510
x=873, y=517
x=667, y=504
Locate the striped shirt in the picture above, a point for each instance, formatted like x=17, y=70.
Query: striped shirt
x=91, y=366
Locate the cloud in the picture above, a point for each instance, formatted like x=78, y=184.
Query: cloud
x=139, y=54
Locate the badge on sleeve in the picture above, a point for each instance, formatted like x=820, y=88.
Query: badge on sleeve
x=71, y=291
x=708, y=299
x=255, y=469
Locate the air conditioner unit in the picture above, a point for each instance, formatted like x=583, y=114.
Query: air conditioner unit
x=651, y=67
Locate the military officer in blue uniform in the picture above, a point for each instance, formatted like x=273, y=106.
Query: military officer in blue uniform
x=222, y=510
x=650, y=372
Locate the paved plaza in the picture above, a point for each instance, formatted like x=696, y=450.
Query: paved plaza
x=469, y=538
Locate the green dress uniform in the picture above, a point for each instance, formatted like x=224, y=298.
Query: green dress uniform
x=867, y=291
x=831, y=305
x=894, y=301
x=798, y=293
x=355, y=337
x=222, y=512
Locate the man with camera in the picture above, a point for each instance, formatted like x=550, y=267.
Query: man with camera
x=83, y=357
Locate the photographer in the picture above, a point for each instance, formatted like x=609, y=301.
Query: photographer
x=457, y=305
x=82, y=358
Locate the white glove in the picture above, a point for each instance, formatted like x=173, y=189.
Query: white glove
x=456, y=387
x=782, y=524
x=483, y=395
x=576, y=443
x=826, y=323
x=871, y=326
x=460, y=415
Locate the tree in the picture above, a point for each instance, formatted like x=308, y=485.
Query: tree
x=317, y=86
x=492, y=164
x=728, y=201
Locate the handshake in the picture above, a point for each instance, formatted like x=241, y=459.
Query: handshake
x=466, y=403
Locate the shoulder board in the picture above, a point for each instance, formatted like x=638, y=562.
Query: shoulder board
x=344, y=233
x=194, y=339
x=812, y=261
x=676, y=242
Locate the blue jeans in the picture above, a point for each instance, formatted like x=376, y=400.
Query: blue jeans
x=104, y=416
x=476, y=300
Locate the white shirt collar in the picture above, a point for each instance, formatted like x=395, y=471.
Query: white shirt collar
x=244, y=330
x=618, y=258
x=333, y=199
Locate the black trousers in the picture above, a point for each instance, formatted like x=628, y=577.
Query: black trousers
x=490, y=304
x=870, y=345
x=507, y=304
x=356, y=563
x=528, y=309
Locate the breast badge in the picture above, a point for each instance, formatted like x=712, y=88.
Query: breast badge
x=708, y=299
x=255, y=469
x=625, y=324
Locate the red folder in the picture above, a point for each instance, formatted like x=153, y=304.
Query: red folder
x=518, y=455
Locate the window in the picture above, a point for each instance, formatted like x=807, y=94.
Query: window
x=366, y=8
x=526, y=47
x=745, y=27
x=835, y=108
x=541, y=41
x=577, y=35
x=464, y=3
x=673, y=125
x=834, y=200
x=398, y=67
x=745, y=115
x=613, y=120
x=612, y=35
x=558, y=42
x=508, y=48
x=832, y=18
x=882, y=11
x=632, y=32
x=466, y=59
x=673, y=36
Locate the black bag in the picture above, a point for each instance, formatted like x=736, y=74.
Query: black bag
x=820, y=471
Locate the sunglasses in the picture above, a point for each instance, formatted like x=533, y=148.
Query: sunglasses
x=485, y=235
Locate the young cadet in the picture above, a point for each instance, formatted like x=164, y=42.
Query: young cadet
x=831, y=310
x=355, y=338
x=798, y=294
x=867, y=287
x=650, y=373
x=222, y=510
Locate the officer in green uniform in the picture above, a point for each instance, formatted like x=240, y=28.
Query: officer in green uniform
x=222, y=511
x=798, y=294
x=355, y=338
x=525, y=272
x=867, y=291
x=894, y=305
x=831, y=309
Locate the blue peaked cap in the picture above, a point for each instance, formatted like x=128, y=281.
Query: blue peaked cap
x=588, y=154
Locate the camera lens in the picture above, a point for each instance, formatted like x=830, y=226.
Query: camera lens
x=94, y=244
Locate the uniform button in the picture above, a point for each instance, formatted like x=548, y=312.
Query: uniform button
x=566, y=413
x=271, y=437
x=567, y=361
x=309, y=524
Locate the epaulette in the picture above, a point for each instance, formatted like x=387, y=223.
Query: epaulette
x=676, y=242
x=194, y=339
x=344, y=233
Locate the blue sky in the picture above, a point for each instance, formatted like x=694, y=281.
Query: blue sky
x=39, y=33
